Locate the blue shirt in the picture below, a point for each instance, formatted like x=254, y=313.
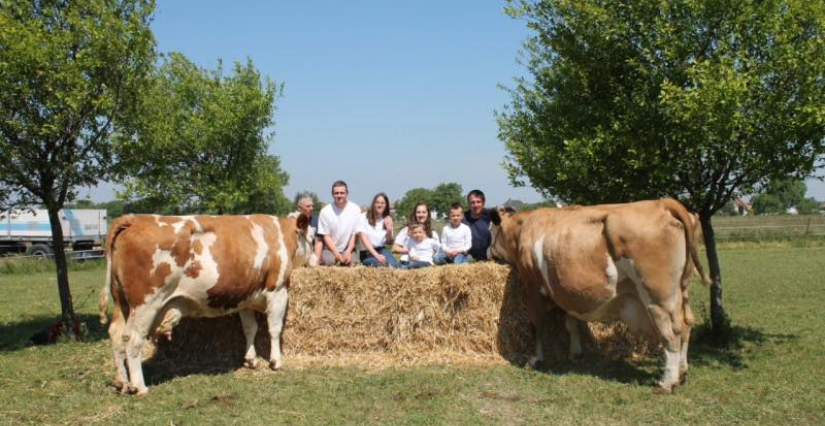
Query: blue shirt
x=480, y=229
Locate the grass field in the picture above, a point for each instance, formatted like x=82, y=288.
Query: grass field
x=767, y=374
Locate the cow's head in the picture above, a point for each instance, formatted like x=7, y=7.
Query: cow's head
x=304, y=253
x=498, y=245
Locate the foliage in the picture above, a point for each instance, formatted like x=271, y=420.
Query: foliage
x=438, y=199
x=698, y=99
x=444, y=195
x=200, y=144
x=69, y=71
x=783, y=194
x=70, y=74
x=404, y=206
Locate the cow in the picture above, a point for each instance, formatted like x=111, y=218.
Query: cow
x=163, y=268
x=629, y=262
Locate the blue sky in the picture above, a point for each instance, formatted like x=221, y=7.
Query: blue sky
x=385, y=95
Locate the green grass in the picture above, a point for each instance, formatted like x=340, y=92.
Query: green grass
x=766, y=375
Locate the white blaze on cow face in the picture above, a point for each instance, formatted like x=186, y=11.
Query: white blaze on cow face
x=262, y=248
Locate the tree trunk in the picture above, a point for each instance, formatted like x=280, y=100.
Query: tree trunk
x=718, y=317
x=68, y=317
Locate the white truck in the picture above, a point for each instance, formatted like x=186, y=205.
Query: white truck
x=28, y=231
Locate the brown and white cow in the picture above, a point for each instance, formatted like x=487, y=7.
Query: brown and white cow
x=163, y=268
x=604, y=263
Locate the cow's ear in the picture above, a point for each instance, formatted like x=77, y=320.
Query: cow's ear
x=495, y=217
x=303, y=222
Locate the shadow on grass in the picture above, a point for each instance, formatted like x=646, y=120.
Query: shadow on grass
x=204, y=346
x=733, y=348
x=15, y=336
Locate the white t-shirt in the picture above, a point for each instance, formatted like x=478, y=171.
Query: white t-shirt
x=424, y=250
x=339, y=223
x=456, y=239
x=377, y=235
x=402, y=237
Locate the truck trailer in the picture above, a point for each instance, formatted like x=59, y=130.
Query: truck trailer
x=28, y=230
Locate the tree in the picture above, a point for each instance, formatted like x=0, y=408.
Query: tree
x=696, y=99
x=200, y=144
x=69, y=74
x=444, y=195
x=782, y=194
x=404, y=206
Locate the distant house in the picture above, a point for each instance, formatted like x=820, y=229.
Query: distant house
x=743, y=207
x=822, y=207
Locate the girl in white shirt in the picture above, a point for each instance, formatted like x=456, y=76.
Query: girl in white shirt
x=374, y=230
x=420, y=248
x=421, y=215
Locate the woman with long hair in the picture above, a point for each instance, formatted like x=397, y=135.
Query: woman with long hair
x=375, y=232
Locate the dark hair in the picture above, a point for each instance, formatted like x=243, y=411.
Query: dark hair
x=428, y=226
x=338, y=183
x=456, y=206
x=372, y=214
x=476, y=193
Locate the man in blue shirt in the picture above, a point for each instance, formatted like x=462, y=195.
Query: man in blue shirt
x=478, y=219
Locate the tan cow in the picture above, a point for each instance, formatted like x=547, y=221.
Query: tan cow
x=604, y=263
x=163, y=268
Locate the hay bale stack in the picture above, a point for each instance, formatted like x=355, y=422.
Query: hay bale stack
x=418, y=316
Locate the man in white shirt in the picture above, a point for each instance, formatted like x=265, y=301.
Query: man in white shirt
x=456, y=239
x=336, y=226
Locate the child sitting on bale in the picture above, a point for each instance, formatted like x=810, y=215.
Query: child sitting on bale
x=420, y=248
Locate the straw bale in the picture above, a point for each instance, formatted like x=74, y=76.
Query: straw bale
x=372, y=316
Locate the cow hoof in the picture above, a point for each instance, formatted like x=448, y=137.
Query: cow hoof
x=120, y=387
x=138, y=390
x=275, y=365
x=663, y=390
x=682, y=377
x=251, y=363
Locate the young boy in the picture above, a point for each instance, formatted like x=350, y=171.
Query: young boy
x=421, y=249
x=456, y=239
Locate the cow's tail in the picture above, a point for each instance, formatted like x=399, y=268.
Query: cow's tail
x=119, y=225
x=689, y=224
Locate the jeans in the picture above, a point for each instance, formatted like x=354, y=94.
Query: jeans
x=367, y=258
x=415, y=264
x=440, y=258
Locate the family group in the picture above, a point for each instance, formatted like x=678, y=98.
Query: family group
x=344, y=232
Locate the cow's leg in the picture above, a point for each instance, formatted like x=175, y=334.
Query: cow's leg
x=536, y=313
x=119, y=348
x=672, y=343
x=138, y=327
x=572, y=325
x=250, y=329
x=275, y=311
x=688, y=321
